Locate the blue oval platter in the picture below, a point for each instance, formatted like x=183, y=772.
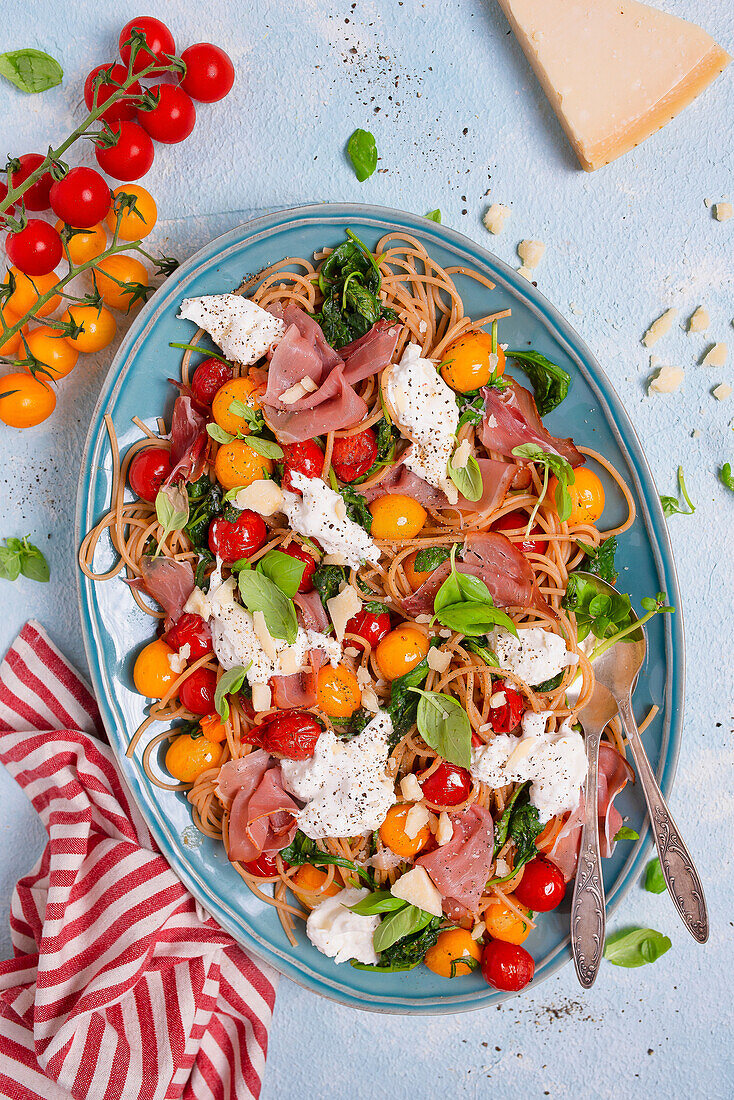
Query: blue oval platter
x=115, y=628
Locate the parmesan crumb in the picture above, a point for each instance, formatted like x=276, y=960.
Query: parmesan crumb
x=659, y=328
x=723, y=211
x=370, y=701
x=410, y=788
x=445, y=830
x=416, y=819
x=497, y=699
x=667, y=380
x=699, y=320
x=261, y=697
x=525, y=272
x=495, y=217
x=297, y=391
x=438, y=659
x=478, y=930
x=423, y=618
x=262, y=496
x=461, y=455
x=715, y=356
x=722, y=391
x=531, y=252
x=333, y=559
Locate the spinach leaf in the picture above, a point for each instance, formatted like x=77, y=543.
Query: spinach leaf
x=346, y=728
x=467, y=479
x=520, y=824
x=357, y=507
x=205, y=502
x=549, y=381
x=600, y=560
x=362, y=151
x=654, y=880
x=433, y=216
x=283, y=570
x=672, y=506
x=386, y=437
x=327, y=580
x=551, y=684
x=30, y=70
x=229, y=684
x=471, y=407
x=726, y=477
x=625, y=833
x=635, y=947
x=481, y=647
x=304, y=850
x=200, y=580
x=403, y=705
x=429, y=559
x=502, y=826
x=444, y=726
x=19, y=556
x=349, y=280
x=259, y=593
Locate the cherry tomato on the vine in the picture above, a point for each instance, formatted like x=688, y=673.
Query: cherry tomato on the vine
x=197, y=691
x=123, y=110
x=36, y=249
x=209, y=72
x=296, y=551
x=36, y=197
x=542, y=886
x=82, y=198
x=117, y=269
x=353, y=455
x=131, y=156
x=158, y=39
x=82, y=244
x=448, y=785
x=307, y=458
x=369, y=625
x=506, y=717
x=24, y=400
x=208, y=379
x=193, y=631
x=173, y=117
x=27, y=292
x=507, y=966
x=148, y=470
x=514, y=520
x=135, y=222
x=98, y=324
x=238, y=539
x=48, y=346
x=292, y=733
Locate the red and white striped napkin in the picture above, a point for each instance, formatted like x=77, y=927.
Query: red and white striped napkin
x=121, y=988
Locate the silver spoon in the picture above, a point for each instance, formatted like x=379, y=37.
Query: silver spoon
x=616, y=669
x=588, y=913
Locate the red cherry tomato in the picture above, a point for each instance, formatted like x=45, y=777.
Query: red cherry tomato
x=197, y=691
x=173, y=118
x=123, y=110
x=264, y=866
x=296, y=551
x=209, y=72
x=507, y=966
x=36, y=197
x=131, y=157
x=238, y=539
x=511, y=522
x=208, y=378
x=370, y=626
x=293, y=733
x=158, y=39
x=82, y=198
x=506, y=718
x=190, y=630
x=447, y=786
x=542, y=886
x=37, y=249
x=148, y=470
x=307, y=458
x=3, y=196
x=354, y=454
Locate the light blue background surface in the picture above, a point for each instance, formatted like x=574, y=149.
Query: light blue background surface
x=622, y=245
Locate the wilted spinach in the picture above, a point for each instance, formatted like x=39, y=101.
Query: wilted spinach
x=386, y=436
x=549, y=381
x=350, y=282
x=205, y=502
x=327, y=580
x=358, y=509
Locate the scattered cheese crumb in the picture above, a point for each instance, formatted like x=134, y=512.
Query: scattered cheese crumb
x=333, y=559
x=495, y=217
x=342, y=608
x=478, y=930
x=699, y=320
x=531, y=252
x=351, y=651
x=423, y=618
x=263, y=497
x=445, y=830
x=410, y=788
x=715, y=356
x=722, y=391
x=363, y=674
x=177, y=661
x=370, y=701
x=525, y=272
x=460, y=456
x=416, y=819
x=438, y=659
x=261, y=697
x=498, y=699
x=723, y=211
x=445, y=632
x=659, y=328
x=667, y=380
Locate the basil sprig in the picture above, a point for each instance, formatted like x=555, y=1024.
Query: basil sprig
x=625, y=833
x=21, y=556
x=552, y=464
x=362, y=151
x=172, y=511
x=467, y=479
x=672, y=506
x=260, y=593
x=444, y=726
x=266, y=447
x=403, y=919
x=635, y=947
x=230, y=683
x=464, y=603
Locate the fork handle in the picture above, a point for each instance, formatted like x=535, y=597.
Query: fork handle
x=588, y=917
x=679, y=872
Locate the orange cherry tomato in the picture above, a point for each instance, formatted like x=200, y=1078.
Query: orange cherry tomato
x=467, y=362
x=152, y=672
x=415, y=577
x=50, y=347
x=83, y=244
x=117, y=269
x=394, y=836
x=26, y=294
x=308, y=886
x=135, y=222
x=237, y=464
x=587, y=496
x=238, y=389
x=337, y=692
x=395, y=516
x=213, y=727
x=24, y=400
x=503, y=924
x=99, y=327
x=401, y=650
x=188, y=757
x=454, y=953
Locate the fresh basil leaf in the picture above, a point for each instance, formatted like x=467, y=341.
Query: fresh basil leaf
x=362, y=151
x=407, y=952
x=549, y=381
x=448, y=594
x=473, y=589
x=304, y=850
x=467, y=479
x=30, y=70
x=259, y=593
x=472, y=406
x=33, y=565
x=218, y=434
x=550, y=684
x=554, y=464
x=474, y=619
x=635, y=947
x=444, y=726
x=625, y=833
x=381, y=901
x=265, y=447
x=726, y=477
x=171, y=509
x=433, y=216
x=229, y=684
x=403, y=922
x=654, y=880
x=9, y=564
x=429, y=559
x=252, y=416
x=283, y=570
x=21, y=556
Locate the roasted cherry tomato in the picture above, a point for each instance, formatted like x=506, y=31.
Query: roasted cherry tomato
x=209, y=376
x=401, y=650
x=131, y=156
x=292, y=733
x=394, y=836
x=152, y=672
x=228, y=398
x=36, y=197
x=542, y=886
x=190, y=630
x=517, y=522
x=148, y=470
x=82, y=198
x=135, y=222
x=396, y=516
x=197, y=691
x=337, y=691
x=264, y=866
x=24, y=400
x=173, y=117
x=158, y=39
x=506, y=718
x=238, y=465
x=123, y=110
x=353, y=455
x=213, y=728
x=295, y=551
x=232, y=540
x=309, y=885
x=503, y=923
x=371, y=626
x=209, y=72
x=454, y=953
x=307, y=458
x=36, y=249
x=468, y=365
x=507, y=966
x=447, y=786
x=587, y=496
x=187, y=757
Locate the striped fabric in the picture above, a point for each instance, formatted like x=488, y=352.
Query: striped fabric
x=121, y=987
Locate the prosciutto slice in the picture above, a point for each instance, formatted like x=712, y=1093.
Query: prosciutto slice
x=502, y=566
x=614, y=771
x=460, y=869
x=298, y=690
x=261, y=819
x=242, y=774
x=371, y=353
x=188, y=441
x=310, y=611
x=511, y=419
x=168, y=581
x=497, y=477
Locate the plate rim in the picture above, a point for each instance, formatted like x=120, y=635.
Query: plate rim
x=656, y=533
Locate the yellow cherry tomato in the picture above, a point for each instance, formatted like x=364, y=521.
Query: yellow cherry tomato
x=415, y=577
x=394, y=836
x=50, y=347
x=467, y=365
x=84, y=244
x=401, y=650
x=239, y=389
x=27, y=292
x=10, y=346
x=395, y=516
x=308, y=886
x=503, y=924
x=134, y=223
x=587, y=496
x=24, y=400
x=237, y=464
x=117, y=269
x=337, y=691
x=99, y=326
x=152, y=673
x=187, y=757
x=454, y=953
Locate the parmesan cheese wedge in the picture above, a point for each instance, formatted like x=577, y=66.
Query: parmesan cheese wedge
x=342, y=608
x=416, y=887
x=613, y=72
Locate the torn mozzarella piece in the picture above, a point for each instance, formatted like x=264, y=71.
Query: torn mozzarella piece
x=243, y=330
x=535, y=655
x=341, y=934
